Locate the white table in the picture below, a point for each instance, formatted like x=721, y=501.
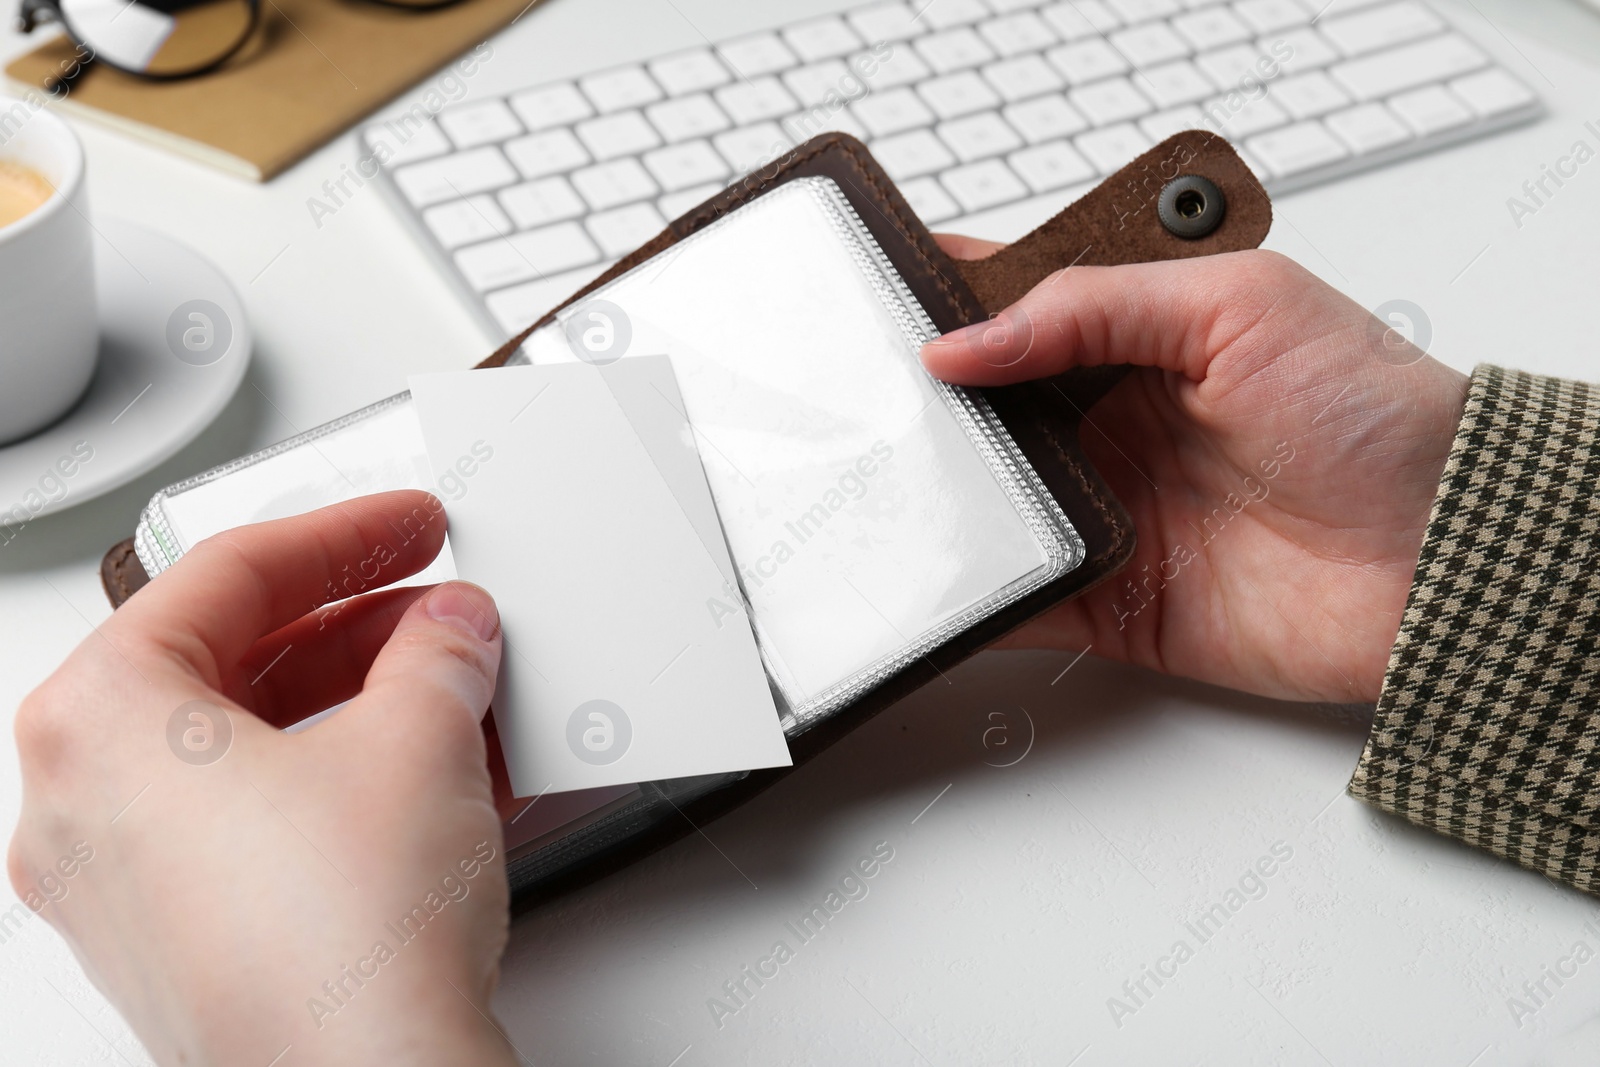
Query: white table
x=1019, y=899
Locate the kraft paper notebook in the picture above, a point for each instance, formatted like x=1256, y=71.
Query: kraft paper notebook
x=879, y=526
x=312, y=70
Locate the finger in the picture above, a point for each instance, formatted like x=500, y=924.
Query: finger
x=231, y=589
x=439, y=666
x=318, y=660
x=1174, y=315
x=960, y=246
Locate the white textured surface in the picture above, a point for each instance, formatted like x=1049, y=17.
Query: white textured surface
x=1010, y=912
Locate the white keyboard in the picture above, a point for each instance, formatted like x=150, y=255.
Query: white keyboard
x=973, y=106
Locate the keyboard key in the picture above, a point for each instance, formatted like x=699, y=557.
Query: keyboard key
x=550, y=105
x=1113, y=147
x=1270, y=16
x=1236, y=116
x=613, y=184
x=683, y=165
x=978, y=136
x=1164, y=124
x=1258, y=168
x=908, y=155
x=1051, y=166
x=689, y=72
x=620, y=231
x=477, y=124
x=1074, y=20
x=759, y=54
x=1338, y=8
x=1109, y=101
x=1045, y=119
x=929, y=200
x=816, y=82
x=822, y=119
x=822, y=38
x=1175, y=83
x=755, y=100
x=1430, y=110
x=1022, y=77
x=947, y=13
x=886, y=22
x=462, y=222
x=1240, y=64
x=1214, y=27
x=407, y=140
x=531, y=254
x=1149, y=44
x=520, y=306
x=953, y=50
x=541, y=202
x=955, y=95
x=1296, y=149
x=1018, y=34
x=892, y=112
x=622, y=134
x=1086, y=61
x=1492, y=93
x=476, y=170
x=674, y=204
x=901, y=67
x=1305, y=50
x=1408, y=67
x=687, y=117
x=1132, y=11
x=551, y=152
x=1380, y=27
x=1309, y=95
x=976, y=186
x=750, y=146
x=625, y=87
x=1367, y=128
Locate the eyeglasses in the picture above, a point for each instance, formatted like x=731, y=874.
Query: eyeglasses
x=162, y=40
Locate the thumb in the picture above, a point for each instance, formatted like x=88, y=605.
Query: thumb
x=1174, y=315
x=442, y=659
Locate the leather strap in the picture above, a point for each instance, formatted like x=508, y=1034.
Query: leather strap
x=1116, y=223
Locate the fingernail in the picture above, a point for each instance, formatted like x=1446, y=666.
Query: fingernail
x=466, y=606
x=961, y=336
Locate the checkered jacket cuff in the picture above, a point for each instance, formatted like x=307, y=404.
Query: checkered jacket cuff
x=1488, y=727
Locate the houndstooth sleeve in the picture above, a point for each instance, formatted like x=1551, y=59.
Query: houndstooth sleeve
x=1488, y=726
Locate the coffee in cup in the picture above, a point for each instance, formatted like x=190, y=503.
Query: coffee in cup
x=22, y=189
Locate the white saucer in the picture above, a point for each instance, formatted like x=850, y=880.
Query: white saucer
x=146, y=401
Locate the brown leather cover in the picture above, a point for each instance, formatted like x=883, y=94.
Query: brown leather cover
x=1115, y=223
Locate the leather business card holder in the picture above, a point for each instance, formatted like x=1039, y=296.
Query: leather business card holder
x=1189, y=196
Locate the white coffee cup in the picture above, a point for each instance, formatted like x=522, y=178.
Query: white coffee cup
x=49, y=332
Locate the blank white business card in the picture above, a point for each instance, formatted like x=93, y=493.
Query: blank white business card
x=570, y=500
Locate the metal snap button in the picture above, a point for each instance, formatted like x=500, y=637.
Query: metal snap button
x=1191, y=207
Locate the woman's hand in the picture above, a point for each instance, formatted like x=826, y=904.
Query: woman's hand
x=237, y=891
x=1277, y=447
